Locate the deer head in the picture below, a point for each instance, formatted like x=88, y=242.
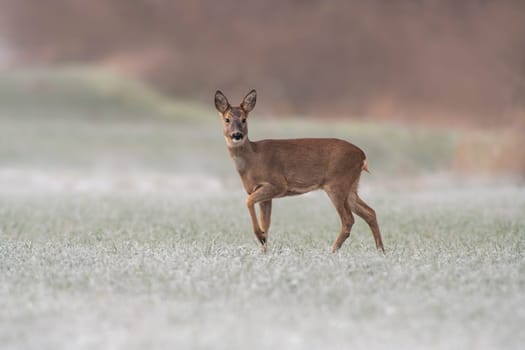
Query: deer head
x=234, y=125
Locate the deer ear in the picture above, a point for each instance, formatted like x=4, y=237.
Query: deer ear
x=248, y=103
x=221, y=102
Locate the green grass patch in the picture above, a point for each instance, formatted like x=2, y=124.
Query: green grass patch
x=86, y=117
x=86, y=93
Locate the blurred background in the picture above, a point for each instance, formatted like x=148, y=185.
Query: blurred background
x=117, y=95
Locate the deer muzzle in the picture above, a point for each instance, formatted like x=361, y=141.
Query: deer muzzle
x=237, y=137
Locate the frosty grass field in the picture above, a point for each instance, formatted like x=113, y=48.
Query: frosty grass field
x=130, y=234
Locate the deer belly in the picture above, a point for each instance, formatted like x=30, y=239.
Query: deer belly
x=295, y=190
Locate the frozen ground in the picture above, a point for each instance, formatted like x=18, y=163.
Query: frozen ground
x=158, y=271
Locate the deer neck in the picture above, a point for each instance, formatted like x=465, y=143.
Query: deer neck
x=241, y=154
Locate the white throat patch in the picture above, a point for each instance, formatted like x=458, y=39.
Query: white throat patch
x=240, y=163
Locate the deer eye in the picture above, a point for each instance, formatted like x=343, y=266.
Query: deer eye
x=244, y=120
x=227, y=120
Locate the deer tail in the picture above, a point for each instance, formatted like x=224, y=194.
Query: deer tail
x=365, y=166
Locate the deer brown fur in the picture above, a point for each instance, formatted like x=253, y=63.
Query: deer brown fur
x=278, y=168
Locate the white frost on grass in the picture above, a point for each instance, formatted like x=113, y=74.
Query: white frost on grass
x=156, y=272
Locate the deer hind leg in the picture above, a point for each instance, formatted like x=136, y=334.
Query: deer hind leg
x=369, y=215
x=340, y=202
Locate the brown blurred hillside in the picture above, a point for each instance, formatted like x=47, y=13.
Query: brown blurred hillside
x=417, y=60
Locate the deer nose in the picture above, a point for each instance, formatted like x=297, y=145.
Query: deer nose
x=237, y=136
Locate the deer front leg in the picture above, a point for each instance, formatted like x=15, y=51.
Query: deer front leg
x=266, y=214
x=263, y=195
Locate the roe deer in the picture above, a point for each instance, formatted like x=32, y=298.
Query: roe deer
x=279, y=168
